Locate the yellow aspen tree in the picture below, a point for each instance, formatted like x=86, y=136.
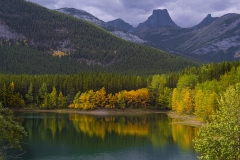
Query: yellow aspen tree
x=112, y=100
x=211, y=105
x=180, y=102
x=144, y=97
x=83, y=98
x=91, y=103
x=100, y=96
x=174, y=99
x=199, y=104
x=188, y=100
x=121, y=100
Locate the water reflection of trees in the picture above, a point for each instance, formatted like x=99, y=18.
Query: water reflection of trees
x=183, y=135
x=100, y=126
x=108, y=131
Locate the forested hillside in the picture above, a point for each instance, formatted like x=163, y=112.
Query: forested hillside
x=83, y=46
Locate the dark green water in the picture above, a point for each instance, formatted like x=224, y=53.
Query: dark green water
x=74, y=136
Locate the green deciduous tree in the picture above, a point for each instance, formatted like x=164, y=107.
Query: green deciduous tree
x=219, y=139
x=62, y=101
x=187, y=81
x=53, y=97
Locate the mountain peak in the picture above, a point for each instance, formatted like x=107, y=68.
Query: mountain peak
x=120, y=24
x=209, y=16
x=206, y=21
x=160, y=11
x=159, y=18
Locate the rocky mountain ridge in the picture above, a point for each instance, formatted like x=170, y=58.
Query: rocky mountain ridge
x=120, y=32
x=213, y=39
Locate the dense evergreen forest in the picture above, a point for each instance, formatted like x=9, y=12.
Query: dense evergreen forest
x=81, y=45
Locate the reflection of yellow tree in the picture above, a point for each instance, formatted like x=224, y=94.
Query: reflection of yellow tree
x=52, y=125
x=183, y=135
x=61, y=124
x=99, y=127
x=161, y=133
x=154, y=128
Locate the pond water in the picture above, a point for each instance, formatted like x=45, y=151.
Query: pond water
x=75, y=136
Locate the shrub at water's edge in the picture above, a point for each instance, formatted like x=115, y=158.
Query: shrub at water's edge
x=11, y=134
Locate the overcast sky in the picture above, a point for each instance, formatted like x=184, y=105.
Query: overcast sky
x=185, y=13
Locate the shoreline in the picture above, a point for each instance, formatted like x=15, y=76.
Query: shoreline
x=189, y=120
x=97, y=112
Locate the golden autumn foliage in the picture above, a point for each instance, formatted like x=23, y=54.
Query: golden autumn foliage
x=90, y=100
x=111, y=101
x=137, y=98
x=59, y=54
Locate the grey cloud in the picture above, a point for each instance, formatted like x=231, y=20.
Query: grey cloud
x=145, y=5
x=46, y=3
x=185, y=13
x=220, y=5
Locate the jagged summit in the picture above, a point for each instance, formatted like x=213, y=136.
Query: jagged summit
x=120, y=24
x=158, y=19
x=206, y=21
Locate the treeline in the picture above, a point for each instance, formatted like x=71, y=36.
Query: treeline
x=48, y=31
x=191, y=91
x=20, y=90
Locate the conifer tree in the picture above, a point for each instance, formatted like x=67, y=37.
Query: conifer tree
x=29, y=95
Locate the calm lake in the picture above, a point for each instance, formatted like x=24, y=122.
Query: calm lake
x=75, y=136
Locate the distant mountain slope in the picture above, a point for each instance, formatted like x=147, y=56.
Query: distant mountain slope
x=220, y=39
x=213, y=39
x=78, y=44
x=120, y=24
x=114, y=30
